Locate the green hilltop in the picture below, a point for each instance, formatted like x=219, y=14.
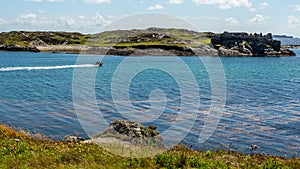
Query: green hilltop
x=108, y=38
x=24, y=38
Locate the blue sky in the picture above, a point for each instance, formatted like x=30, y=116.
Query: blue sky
x=86, y=16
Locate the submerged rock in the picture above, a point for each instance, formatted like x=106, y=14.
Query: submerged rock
x=254, y=147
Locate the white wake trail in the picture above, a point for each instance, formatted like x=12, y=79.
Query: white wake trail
x=46, y=67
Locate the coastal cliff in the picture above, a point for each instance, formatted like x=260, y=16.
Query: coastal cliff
x=151, y=41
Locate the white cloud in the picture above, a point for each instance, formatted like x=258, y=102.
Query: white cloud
x=264, y=4
x=26, y=20
x=99, y=20
x=175, y=1
x=225, y=4
x=231, y=21
x=28, y=16
x=81, y=17
x=258, y=18
x=296, y=7
x=154, y=7
x=293, y=21
x=82, y=23
x=2, y=21
x=55, y=0
x=96, y=1
x=64, y=21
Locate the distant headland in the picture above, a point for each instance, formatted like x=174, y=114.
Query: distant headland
x=151, y=41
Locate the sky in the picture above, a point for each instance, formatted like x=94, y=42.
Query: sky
x=88, y=16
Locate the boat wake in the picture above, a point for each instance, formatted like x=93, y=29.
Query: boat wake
x=46, y=67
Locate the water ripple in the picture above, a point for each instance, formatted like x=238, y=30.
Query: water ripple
x=262, y=106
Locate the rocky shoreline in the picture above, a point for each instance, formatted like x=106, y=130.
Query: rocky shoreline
x=187, y=51
x=17, y=48
x=291, y=46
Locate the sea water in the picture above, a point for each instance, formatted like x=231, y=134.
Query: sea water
x=262, y=98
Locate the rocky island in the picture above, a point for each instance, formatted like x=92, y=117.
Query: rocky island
x=244, y=44
x=151, y=41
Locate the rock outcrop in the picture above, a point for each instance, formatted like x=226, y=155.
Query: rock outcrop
x=244, y=44
x=205, y=50
x=130, y=133
x=173, y=50
x=73, y=139
x=19, y=48
x=233, y=52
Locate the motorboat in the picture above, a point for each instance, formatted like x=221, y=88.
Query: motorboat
x=98, y=63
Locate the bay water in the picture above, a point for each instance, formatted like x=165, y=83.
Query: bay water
x=262, y=98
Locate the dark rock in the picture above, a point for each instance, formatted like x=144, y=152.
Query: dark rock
x=232, y=52
x=287, y=52
x=254, y=147
x=133, y=132
x=173, y=50
x=19, y=48
x=120, y=52
x=73, y=139
x=243, y=44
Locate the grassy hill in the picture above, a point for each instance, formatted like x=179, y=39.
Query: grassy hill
x=120, y=38
x=178, y=42
x=158, y=36
x=19, y=150
x=24, y=38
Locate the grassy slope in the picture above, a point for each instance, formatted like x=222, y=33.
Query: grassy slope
x=18, y=150
x=24, y=38
x=112, y=38
x=109, y=38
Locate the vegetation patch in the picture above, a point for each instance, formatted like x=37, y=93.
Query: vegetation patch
x=19, y=150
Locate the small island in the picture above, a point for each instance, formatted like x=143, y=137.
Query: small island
x=150, y=42
x=244, y=44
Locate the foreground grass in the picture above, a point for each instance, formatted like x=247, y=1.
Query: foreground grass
x=18, y=150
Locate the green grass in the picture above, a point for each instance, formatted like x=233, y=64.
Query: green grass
x=18, y=150
x=147, y=44
x=118, y=38
x=24, y=38
x=206, y=41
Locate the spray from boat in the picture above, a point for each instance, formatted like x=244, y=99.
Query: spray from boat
x=97, y=64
